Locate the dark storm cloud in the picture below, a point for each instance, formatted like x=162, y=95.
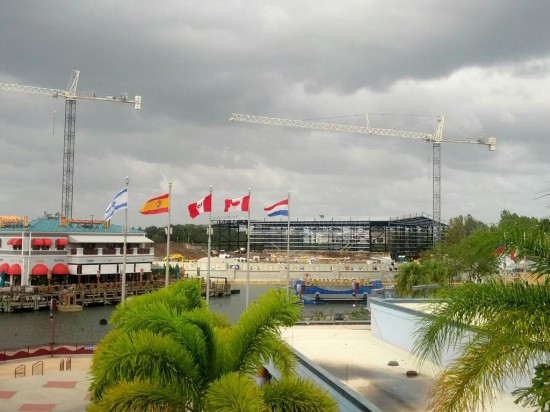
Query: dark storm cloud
x=482, y=64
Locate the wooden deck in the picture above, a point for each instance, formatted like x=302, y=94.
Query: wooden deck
x=86, y=294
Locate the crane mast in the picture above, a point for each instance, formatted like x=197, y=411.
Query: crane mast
x=70, y=97
x=436, y=139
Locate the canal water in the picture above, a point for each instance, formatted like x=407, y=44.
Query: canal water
x=88, y=326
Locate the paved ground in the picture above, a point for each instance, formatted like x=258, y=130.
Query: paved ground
x=54, y=390
x=349, y=352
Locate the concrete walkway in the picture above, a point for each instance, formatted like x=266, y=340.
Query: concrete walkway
x=54, y=390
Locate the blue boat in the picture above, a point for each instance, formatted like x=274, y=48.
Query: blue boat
x=354, y=292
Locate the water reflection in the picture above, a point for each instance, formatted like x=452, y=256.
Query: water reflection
x=35, y=328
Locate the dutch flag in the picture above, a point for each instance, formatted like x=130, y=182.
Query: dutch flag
x=278, y=209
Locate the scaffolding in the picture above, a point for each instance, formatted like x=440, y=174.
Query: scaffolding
x=403, y=237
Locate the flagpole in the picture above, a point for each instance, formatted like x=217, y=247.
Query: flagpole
x=167, y=276
x=248, y=253
x=123, y=290
x=288, y=249
x=209, y=251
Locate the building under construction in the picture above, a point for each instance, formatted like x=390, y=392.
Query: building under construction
x=402, y=238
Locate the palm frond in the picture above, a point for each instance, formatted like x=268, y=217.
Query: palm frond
x=538, y=394
x=181, y=296
x=493, y=304
x=186, y=328
x=480, y=372
x=499, y=331
x=282, y=356
x=203, y=321
x=260, y=324
x=234, y=392
x=531, y=242
x=147, y=356
x=141, y=396
x=298, y=395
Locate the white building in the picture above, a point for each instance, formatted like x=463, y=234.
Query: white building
x=51, y=248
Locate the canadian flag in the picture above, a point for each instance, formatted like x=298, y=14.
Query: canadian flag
x=241, y=204
x=202, y=206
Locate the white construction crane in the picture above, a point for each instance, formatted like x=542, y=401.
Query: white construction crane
x=436, y=138
x=70, y=97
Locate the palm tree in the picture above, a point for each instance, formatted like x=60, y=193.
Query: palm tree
x=168, y=352
x=501, y=331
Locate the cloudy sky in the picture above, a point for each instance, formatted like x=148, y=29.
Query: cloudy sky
x=484, y=65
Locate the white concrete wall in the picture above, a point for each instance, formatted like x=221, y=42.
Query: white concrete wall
x=391, y=324
x=267, y=271
x=397, y=325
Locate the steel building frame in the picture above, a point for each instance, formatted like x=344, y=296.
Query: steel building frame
x=404, y=237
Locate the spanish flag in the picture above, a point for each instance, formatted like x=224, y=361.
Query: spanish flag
x=160, y=204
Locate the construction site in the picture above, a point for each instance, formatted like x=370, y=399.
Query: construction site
x=397, y=238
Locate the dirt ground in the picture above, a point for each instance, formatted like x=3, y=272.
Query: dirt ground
x=182, y=248
x=194, y=253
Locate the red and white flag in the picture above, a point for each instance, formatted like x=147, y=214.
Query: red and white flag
x=202, y=206
x=240, y=204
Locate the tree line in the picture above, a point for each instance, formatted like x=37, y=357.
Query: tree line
x=469, y=252
x=196, y=235
x=191, y=234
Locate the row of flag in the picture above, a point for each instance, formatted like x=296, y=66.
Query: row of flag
x=161, y=204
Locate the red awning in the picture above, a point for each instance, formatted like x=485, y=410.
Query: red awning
x=60, y=269
x=37, y=242
x=4, y=267
x=15, y=269
x=39, y=270
x=16, y=241
x=47, y=241
x=10, y=241
x=61, y=242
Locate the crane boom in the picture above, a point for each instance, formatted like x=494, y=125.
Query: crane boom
x=332, y=127
x=70, y=97
x=33, y=90
x=436, y=138
x=69, y=94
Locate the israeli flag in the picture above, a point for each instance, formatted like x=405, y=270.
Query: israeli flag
x=119, y=202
